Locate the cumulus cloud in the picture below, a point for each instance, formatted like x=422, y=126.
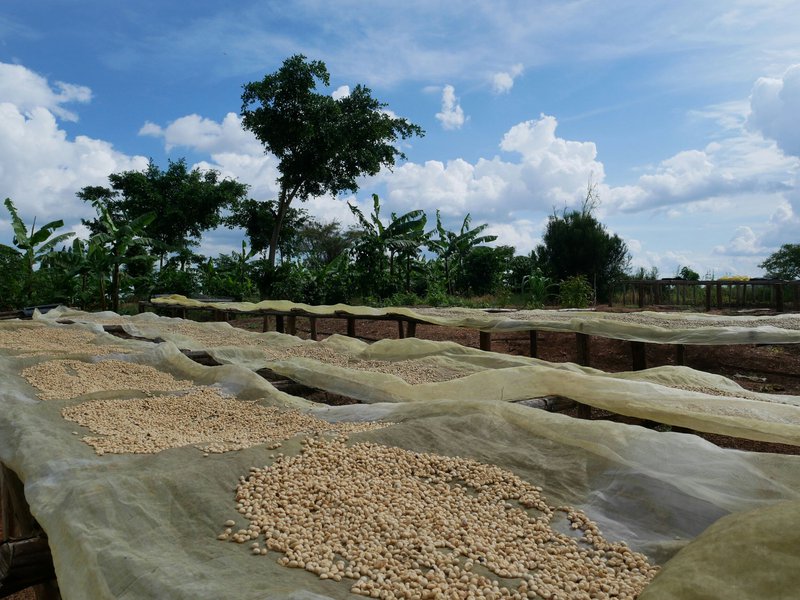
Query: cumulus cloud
x=205, y=135
x=774, y=106
x=342, y=91
x=503, y=81
x=744, y=242
x=41, y=168
x=28, y=91
x=452, y=115
x=549, y=172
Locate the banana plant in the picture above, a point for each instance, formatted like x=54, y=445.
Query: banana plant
x=450, y=245
x=34, y=244
x=123, y=243
x=402, y=237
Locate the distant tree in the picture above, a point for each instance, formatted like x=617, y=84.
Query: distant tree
x=576, y=243
x=783, y=264
x=123, y=242
x=452, y=248
x=322, y=243
x=12, y=266
x=688, y=274
x=403, y=236
x=323, y=145
x=185, y=203
x=35, y=245
x=258, y=218
x=483, y=269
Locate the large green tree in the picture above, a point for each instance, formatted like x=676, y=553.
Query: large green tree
x=323, y=145
x=185, y=202
x=576, y=243
x=783, y=264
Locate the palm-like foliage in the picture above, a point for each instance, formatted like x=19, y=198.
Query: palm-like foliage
x=123, y=243
x=402, y=237
x=450, y=246
x=34, y=244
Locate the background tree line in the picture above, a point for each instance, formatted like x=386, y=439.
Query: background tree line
x=149, y=223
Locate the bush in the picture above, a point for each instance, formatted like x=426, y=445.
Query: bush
x=575, y=292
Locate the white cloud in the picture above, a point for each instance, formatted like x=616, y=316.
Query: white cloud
x=503, y=81
x=523, y=234
x=744, y=242
x=774, y=109
x=28, y=91
x=343, y=91
x=552, y=172
x=452, y=115
x=205, y=135
x=41, y=169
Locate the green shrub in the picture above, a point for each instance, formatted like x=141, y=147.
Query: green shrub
x=575, y=292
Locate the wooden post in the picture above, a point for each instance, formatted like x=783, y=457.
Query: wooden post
x=400, y=333
x=279, y=327
x=351, y=327
x=312, y=326
x=25, y=559
x=796, y=288
x=534, y=335
x=639, y=356
x=584, y=411
x=265, y=326
x=411, y=330
x=640, y=290
x=708, y=297
x=486, y=341
x=719, y=296
x=291, y=325
x=779, y=297
x=680, y=354
x=582, y=344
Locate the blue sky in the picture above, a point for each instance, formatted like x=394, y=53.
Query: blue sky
x=684, y=114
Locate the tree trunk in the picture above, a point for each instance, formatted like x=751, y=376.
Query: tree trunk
x=115, y=289
x=284, y=200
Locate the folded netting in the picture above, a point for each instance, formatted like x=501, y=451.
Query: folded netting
x=644, y=326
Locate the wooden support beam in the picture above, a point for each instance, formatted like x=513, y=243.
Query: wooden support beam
x=411, y=329
x=279, y=327
x=779, y=297
x=708, y=297
x=719, y=296
x=638, y=356
x=265, y=326
x=351, y=327
x=680, y=355
x=582, y=344
x=25, y=563
x=312, y=326
x=291, y=325
x=486, y=341
x=534, y=340
x=400, y=332
x=584, y=411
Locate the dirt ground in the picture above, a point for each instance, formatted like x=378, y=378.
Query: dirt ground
x=773, y=369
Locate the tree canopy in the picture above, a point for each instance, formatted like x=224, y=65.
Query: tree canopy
x=323, y=145
x=576, y=243
x=185, y=203
x=783, y=264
